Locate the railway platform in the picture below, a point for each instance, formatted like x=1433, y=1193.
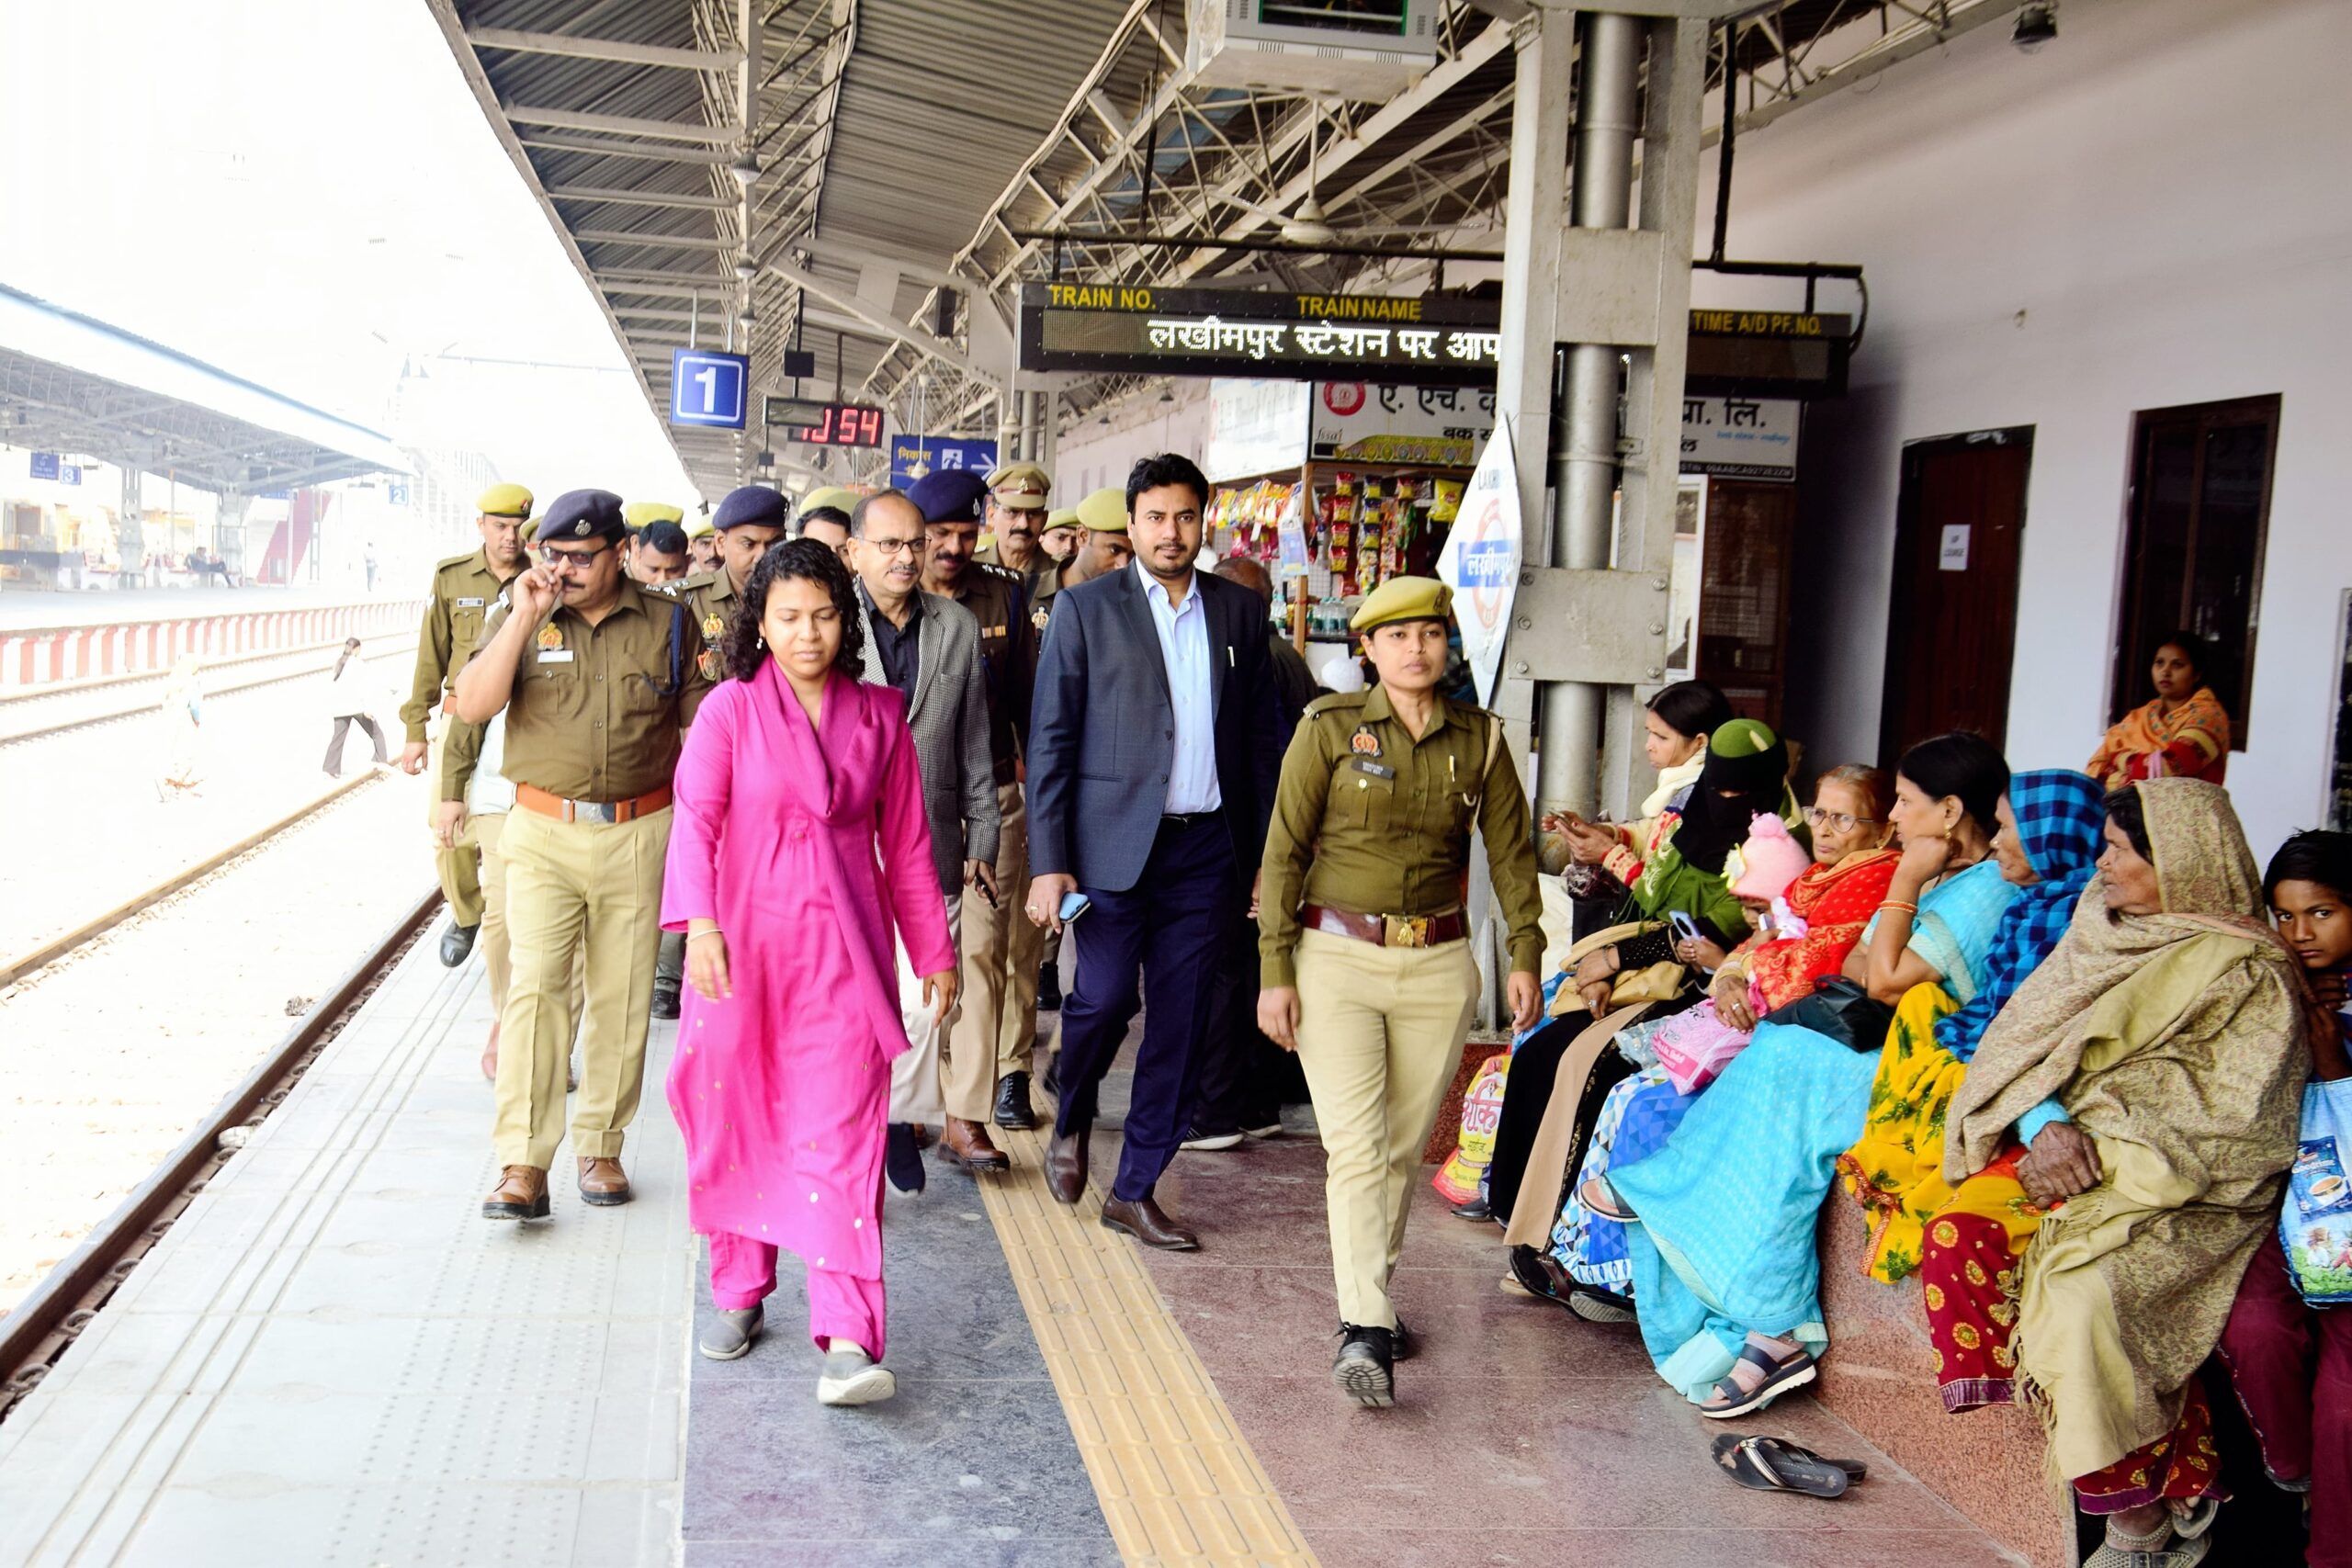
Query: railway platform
x=331, y=1359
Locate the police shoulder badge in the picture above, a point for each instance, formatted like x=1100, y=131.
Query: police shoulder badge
x=712, y=626
x=1364, y=743
x=550, y=635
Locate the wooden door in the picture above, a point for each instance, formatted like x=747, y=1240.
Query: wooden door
x=1951, y=627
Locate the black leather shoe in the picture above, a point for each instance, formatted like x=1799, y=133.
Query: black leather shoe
x=665, y=999
x=1049, y=988
x=902, y=1160
x=1476, y=1209
x=1400, y=1342
x=1144, y=1220
x=1066, y=1167
x=1012, y=1101
x=1364, y=1368
x=456, y=943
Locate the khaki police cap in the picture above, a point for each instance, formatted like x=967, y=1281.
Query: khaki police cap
x=1020, y=487
x=504, y=501
x=638, y=513
x=840, y=498
x=702, y=525
x=1061, y=517
x=1403, y=599
x=1105, y=512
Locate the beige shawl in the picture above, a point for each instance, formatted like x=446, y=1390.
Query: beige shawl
x=2175, y=1041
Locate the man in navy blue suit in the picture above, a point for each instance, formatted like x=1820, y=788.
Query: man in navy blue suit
x=1154, y=747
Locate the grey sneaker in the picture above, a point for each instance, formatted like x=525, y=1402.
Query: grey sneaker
x=851, y=1377
x=730, y=1334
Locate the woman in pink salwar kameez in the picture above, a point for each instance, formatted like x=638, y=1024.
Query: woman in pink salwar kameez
x=800, y=841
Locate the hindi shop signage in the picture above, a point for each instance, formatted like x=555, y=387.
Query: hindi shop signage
x=1744, y=438
x=1109, y=328
x=1366, y=423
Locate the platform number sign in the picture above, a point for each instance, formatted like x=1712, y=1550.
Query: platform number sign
x=708, y=388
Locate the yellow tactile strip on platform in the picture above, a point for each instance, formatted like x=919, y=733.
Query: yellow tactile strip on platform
x=1177, y=1480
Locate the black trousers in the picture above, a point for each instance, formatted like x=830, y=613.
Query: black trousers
x=343, y=728
x=1246, y=1079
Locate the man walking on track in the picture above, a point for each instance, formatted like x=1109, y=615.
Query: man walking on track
x=463, y=590
x=597, y=675
x=928, y=648
x=1154, y=751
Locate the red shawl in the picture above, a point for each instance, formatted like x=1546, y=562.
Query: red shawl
x=1835, y=901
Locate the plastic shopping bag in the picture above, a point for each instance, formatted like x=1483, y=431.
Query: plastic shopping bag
x=915, y=1095
x=1482, y=1111
x=2315, y=1224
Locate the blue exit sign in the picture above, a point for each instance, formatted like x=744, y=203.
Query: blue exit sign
x=708, y=388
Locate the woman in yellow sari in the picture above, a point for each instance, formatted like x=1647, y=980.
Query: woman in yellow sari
x=2183, y=733
x=2169, y=1027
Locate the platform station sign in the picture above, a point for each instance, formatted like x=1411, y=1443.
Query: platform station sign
x=709, y=390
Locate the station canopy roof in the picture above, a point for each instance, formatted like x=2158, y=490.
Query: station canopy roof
x=70, y=383
x=874, y=188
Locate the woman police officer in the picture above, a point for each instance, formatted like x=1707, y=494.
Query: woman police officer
x=1368, y=974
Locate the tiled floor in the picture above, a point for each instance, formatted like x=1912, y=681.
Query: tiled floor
x=331, y=1359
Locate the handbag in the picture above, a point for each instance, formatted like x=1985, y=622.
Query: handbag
x=1842, y=1009
x=2316, y=1221
x=915, y=1094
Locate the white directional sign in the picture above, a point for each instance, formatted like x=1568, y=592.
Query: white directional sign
x=1481, y=560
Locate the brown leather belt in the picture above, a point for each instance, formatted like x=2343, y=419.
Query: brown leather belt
x=614, y=811
x=448, y=704
x=1387, y=930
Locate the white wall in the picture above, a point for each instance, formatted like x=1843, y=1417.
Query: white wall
x=2156, y=209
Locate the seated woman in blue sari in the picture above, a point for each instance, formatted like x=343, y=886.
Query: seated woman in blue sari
x=1723, y=1265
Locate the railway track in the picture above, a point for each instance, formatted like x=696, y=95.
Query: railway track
x=16, y=704
x=47, y=1322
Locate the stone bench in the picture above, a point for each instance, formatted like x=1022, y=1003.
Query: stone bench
x=1879, y=1378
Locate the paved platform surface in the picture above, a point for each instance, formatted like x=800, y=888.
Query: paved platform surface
x=333, y=1359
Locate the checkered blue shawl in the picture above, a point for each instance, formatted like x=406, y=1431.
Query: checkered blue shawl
x=2061, y=815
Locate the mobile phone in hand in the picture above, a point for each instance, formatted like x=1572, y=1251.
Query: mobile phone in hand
x=1684, y=926
x=1073, y=905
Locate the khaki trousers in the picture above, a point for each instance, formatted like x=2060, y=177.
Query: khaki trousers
x=995, y=1027
x=1380, y=1035
x=493, y=944
x=459, y=867
x=571, y=887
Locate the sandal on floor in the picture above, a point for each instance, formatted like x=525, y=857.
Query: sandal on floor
x=2159, y=1549
x=1602, y=1199
x=1594, y=1305
x=1780, y=1376
x=1765, y=1464
x=1854, y=1469
x=2199, y=1519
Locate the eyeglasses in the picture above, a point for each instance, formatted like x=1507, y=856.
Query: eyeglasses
x=898, y=546
x=564, y=560
x=1843, y=821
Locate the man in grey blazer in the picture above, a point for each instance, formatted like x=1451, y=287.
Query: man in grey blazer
x=928, y=648
x=1154, y=749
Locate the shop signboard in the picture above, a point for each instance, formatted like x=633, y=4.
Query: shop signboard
x=1438, y=427
x=1481, y=561
x=1255, y=426
x=1740, y=438
x=1430, y=340
x=912, y=457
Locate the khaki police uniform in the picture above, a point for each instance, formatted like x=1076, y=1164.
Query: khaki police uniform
x=1360, y=909
x=464, y=589
x=471, y=772
x=592, y=740
x=995, y=1026
x=1016, y=487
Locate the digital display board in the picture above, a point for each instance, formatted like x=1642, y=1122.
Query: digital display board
x=1434, y=340
x=839, y=425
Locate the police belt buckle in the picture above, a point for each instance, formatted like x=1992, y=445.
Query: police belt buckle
x=1405, y=931
x=607, y=812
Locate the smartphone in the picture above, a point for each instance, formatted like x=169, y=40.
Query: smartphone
x=1684, y=926
x=1073, y=906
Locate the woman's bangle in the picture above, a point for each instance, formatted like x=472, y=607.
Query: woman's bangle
x=1899, y=904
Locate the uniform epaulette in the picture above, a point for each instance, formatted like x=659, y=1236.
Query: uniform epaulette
x=1004, y=572
x=677, y=586
x=455, y=560
x=1332, y=702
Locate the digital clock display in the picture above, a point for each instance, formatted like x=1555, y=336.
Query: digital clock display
x=841, y=424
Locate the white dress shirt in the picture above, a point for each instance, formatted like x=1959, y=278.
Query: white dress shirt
x=1184, y=649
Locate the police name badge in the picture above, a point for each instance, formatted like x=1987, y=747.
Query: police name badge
x=468, y=603
x=1364, y=743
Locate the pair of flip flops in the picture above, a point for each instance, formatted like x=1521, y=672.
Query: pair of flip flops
x=1776, y=1464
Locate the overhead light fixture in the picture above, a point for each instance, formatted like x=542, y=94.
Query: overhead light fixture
x=746, y=269
x=745, y=169
x=1167, y=394
x=2036, y=25
x=747, y=321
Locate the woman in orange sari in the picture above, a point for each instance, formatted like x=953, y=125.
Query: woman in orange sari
x=2182, y=734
